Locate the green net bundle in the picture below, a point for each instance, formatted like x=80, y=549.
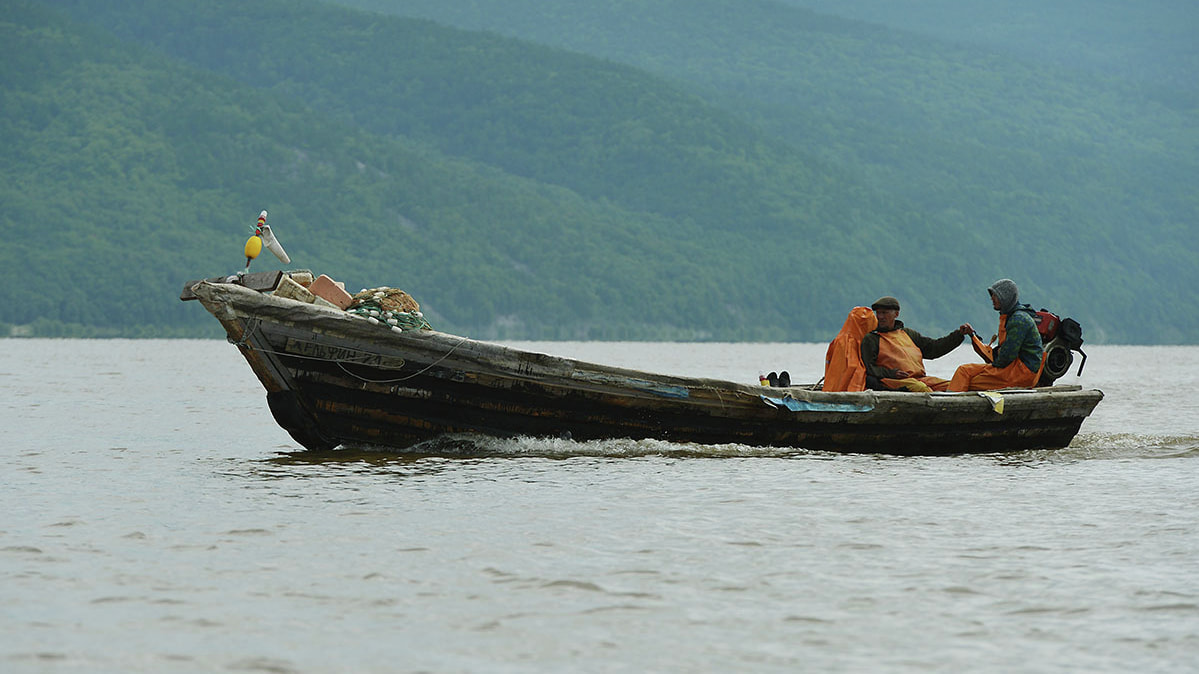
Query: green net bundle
x=390, y=306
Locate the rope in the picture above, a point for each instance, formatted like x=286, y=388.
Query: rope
x=251, y=326
x=399, y=379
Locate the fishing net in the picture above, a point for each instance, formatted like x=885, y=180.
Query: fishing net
x=391, y=306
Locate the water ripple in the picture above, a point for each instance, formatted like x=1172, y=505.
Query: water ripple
x=1086, y=446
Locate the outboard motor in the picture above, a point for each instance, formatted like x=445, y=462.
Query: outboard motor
x=1061, y=337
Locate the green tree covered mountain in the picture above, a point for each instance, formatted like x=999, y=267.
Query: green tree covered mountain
x=1147, y=40
x=535, y=190
x=1071, y=169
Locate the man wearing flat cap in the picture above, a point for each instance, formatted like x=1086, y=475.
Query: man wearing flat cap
x=894, y=355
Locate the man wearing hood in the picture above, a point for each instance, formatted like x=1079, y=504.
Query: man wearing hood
x=1016, y=361
x=843, y=368
x=894, y=355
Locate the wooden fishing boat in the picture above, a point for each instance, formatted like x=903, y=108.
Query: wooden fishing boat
x=336, y=378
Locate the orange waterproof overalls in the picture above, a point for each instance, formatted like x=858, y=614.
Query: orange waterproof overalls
x=843, y=369
x=897, y=351
x=987, y=377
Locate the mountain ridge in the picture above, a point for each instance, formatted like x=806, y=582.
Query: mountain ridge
x=575, y=261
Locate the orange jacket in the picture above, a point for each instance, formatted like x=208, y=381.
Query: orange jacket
x=843, y=368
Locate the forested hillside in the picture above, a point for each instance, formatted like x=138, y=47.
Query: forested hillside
x=1080, y=180
x=486, y=250
x=534, y=190
x=1140, y=40
x=126, y=176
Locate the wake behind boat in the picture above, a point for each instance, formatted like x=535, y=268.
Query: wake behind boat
x=360, y=378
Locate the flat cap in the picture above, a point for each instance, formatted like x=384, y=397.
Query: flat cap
x=886, y=302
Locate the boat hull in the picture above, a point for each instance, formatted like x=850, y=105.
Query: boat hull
x=333, y=378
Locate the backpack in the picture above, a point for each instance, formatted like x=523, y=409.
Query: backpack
x=1061, y=336
x=1047, y=324
x=1071, y=334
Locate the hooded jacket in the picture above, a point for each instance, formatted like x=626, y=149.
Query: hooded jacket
x=843, y=369
x=1018, y=330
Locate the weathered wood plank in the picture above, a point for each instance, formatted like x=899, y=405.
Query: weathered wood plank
x=262, y=281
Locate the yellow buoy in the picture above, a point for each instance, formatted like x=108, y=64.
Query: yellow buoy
x=253, y=247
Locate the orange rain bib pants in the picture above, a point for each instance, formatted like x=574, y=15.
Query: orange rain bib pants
x=897, y=351
x=987, y=377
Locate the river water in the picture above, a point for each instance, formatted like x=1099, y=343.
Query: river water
x=155, y=519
